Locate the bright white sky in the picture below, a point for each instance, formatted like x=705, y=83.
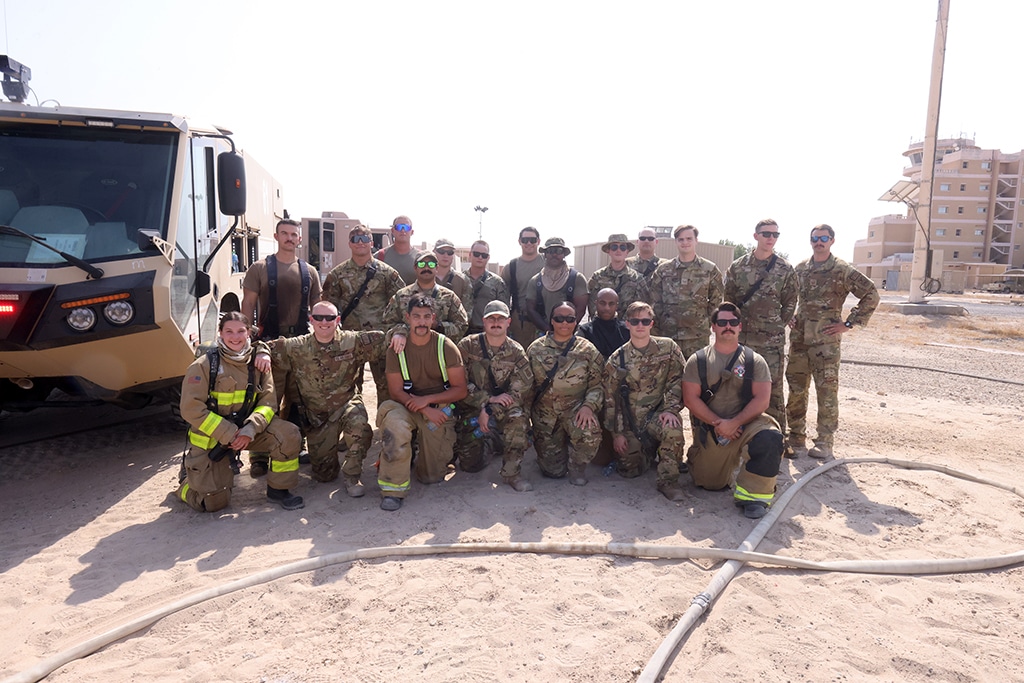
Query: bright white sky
x=579, y=118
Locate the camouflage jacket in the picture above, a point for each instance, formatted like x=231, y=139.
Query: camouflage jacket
x=482, y=291
x=451, y=316
x=577, y=382
x=645, y=267
x=770, y=307
x=325, y=374
x=684, y=296
x=344, y=282
x=510, y=368
x=627, y=283
x=654, y=376
x=458, y=283
x=823, y=290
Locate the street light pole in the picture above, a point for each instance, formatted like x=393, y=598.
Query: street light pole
x=482, y=210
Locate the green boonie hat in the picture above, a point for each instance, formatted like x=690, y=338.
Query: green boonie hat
x=497, y=307
x=618, y=238
x=554, y=242
x=444, y=242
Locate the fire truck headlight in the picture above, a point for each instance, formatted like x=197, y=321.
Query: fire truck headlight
x=119, y=312
x=81, y=319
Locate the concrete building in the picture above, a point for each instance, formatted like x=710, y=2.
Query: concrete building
x=977, y=217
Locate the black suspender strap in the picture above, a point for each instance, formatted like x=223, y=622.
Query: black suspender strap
x=554, y=369
x=757, y=285
x=371, y=270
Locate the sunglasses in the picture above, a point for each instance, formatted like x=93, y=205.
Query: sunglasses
x=645, y=322
x=426, y=264
x=564, y=318
x=481, y=254
x=769, y=235
x=824, y=239
x=528, y=240
x=360, y=239
x=446, y=252
x=731, y=322
x=648, y=239
x=557, y=251
x=618, y=247
x=323, y=317
x=402, y=227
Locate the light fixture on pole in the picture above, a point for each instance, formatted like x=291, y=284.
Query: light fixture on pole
x=482, y=210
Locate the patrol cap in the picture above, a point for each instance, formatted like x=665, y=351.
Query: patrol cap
x=554, y=242
x=444, y=242
x=497, y=307
x=618, y=238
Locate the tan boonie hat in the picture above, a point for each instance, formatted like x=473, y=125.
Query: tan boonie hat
x=444, y=242
x=618, y=238
x=497, y=307
x=554, y=242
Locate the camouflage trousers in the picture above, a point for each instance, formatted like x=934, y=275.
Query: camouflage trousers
x=207, y=485
x=688, y=347
x=751, y=461
x=510, y=425
x=559, y=441
x=775, y=356
x=380, y=381
x=821, y=363
x=324, y=434
x=522, y=329
x=669, y=454
x=435, y=449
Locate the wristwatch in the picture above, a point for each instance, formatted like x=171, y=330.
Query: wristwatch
x=848, y=324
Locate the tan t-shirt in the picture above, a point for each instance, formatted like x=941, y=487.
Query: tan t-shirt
x=289, y=289
x=424, y=370
x=728, y=400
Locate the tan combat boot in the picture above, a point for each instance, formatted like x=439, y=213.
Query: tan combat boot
x=354, y=487
x=673, y=491
x=519, y=484
x=577, y=475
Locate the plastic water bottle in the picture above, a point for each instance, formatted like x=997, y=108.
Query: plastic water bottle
x=447, y=410
x=609, y=469
x=475, y=422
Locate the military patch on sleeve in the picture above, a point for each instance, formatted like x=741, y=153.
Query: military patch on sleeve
x=196, y=379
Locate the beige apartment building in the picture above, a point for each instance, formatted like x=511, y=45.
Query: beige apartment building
x=977, y=225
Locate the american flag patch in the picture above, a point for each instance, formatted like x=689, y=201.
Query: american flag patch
x=195, y=380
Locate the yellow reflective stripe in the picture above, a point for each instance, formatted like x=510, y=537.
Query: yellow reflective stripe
x=440, y=358
x=184, y=492
x=211, y=423
x=266, y=411
x=743, y=494
x=284, y=465
x=228, y=398
x=386, y=486
x=201, y=441
x=403, y=366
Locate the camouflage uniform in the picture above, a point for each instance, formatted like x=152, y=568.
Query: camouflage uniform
x=207, y=485
x=482, y=291
x=684, y=296
x=654, y=376
x=329, y=403
x=765, y=316
x=752, y=459
x=823, y=289
x=627, y=283
x=522, y=328
x=511, y=372
x=645, y=267
x=342, y=284
x=458, y=283
x=576, y=384
x=451, y=316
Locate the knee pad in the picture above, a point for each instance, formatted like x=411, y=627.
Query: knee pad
x=765, y=450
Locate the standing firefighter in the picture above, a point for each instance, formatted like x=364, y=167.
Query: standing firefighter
x=643, y=397
x=230, y=408
x=499, y=384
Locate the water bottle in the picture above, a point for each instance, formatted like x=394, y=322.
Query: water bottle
x=447, y=410
x=609, y=469
x=474, y=422
x=722, y=441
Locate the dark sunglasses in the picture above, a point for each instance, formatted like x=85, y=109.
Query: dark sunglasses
x=558, y=251
x=528, y=240
x=564, y=318
x=360, y=239
x=403, y=227
x=731, y=322
x=648, y=239
x=446, y=252
x=481, y=254
x=323, y=317
x=769, y=234
x=824, y=239
x=426, y=264
x=640, y=321
x=618, y=247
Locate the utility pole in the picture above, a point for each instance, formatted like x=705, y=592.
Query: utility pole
x=482, y=210
x=922, y=282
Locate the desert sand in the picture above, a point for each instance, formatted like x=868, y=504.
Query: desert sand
x=92, y=541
